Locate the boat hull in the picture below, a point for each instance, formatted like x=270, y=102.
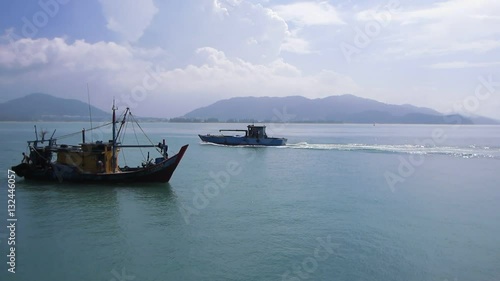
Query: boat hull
x=160, y=172
x=236, y=140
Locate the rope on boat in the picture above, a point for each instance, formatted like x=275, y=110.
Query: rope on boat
x=78, y=133
x=123, y=137
x=137, y=139
x=135, y=121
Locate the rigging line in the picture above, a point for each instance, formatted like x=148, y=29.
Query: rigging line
x=123, y=117
x=69, y=135
x=123, y=150
x=121, y=141
x=124, y=132
x=137, y=139
x=79, y=132
x=90, y=113
x=124, y=158
x=133, y=118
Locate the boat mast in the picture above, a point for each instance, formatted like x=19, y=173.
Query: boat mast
x=123, y=122
x=113, y=157
x=90, y=113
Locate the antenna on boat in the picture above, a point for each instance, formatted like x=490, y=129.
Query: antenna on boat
x=53, y=133
x=42, y=134
x=90, y=112
x=113, y=157
x=51, y=140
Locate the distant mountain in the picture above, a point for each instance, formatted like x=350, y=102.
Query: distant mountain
x=45, y=107
x=345, y=109
x=484, y=120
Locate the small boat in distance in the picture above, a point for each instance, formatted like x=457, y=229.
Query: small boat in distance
x=254, y=135
x=95, y=162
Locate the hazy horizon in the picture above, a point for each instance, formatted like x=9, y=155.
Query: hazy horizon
x=166, y=59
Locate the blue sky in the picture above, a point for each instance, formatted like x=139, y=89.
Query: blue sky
x=165, y=58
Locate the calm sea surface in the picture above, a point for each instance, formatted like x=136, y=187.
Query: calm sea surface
x=339, y=202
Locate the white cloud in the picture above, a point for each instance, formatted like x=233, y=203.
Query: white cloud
x=309, y=13
x=293, y=43
x=128, y=17
x=224, y=77
x=239, y=28
x=453, y=26
x=63, y=69
x=301, y=15
x=219, y=8
x=220, y=77
x=205, y=50
x=58, y=67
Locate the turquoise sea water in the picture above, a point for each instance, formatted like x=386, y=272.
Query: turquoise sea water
x=340, y=202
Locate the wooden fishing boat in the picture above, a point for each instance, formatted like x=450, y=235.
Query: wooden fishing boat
x=95, y=162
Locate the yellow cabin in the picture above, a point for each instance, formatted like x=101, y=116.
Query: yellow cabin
x=88, y=157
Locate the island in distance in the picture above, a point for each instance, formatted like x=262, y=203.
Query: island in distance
x=44, y=107
x=333, y=109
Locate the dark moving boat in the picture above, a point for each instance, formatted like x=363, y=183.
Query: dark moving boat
x=254, y=135
x=95, y=162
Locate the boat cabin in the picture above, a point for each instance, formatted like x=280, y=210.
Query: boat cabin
x=95, y=157
x=256, y=131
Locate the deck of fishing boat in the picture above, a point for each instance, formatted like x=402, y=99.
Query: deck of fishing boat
x=95, y=161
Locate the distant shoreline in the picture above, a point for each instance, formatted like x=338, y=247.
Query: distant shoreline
x=256, y=122
x=343, y=109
